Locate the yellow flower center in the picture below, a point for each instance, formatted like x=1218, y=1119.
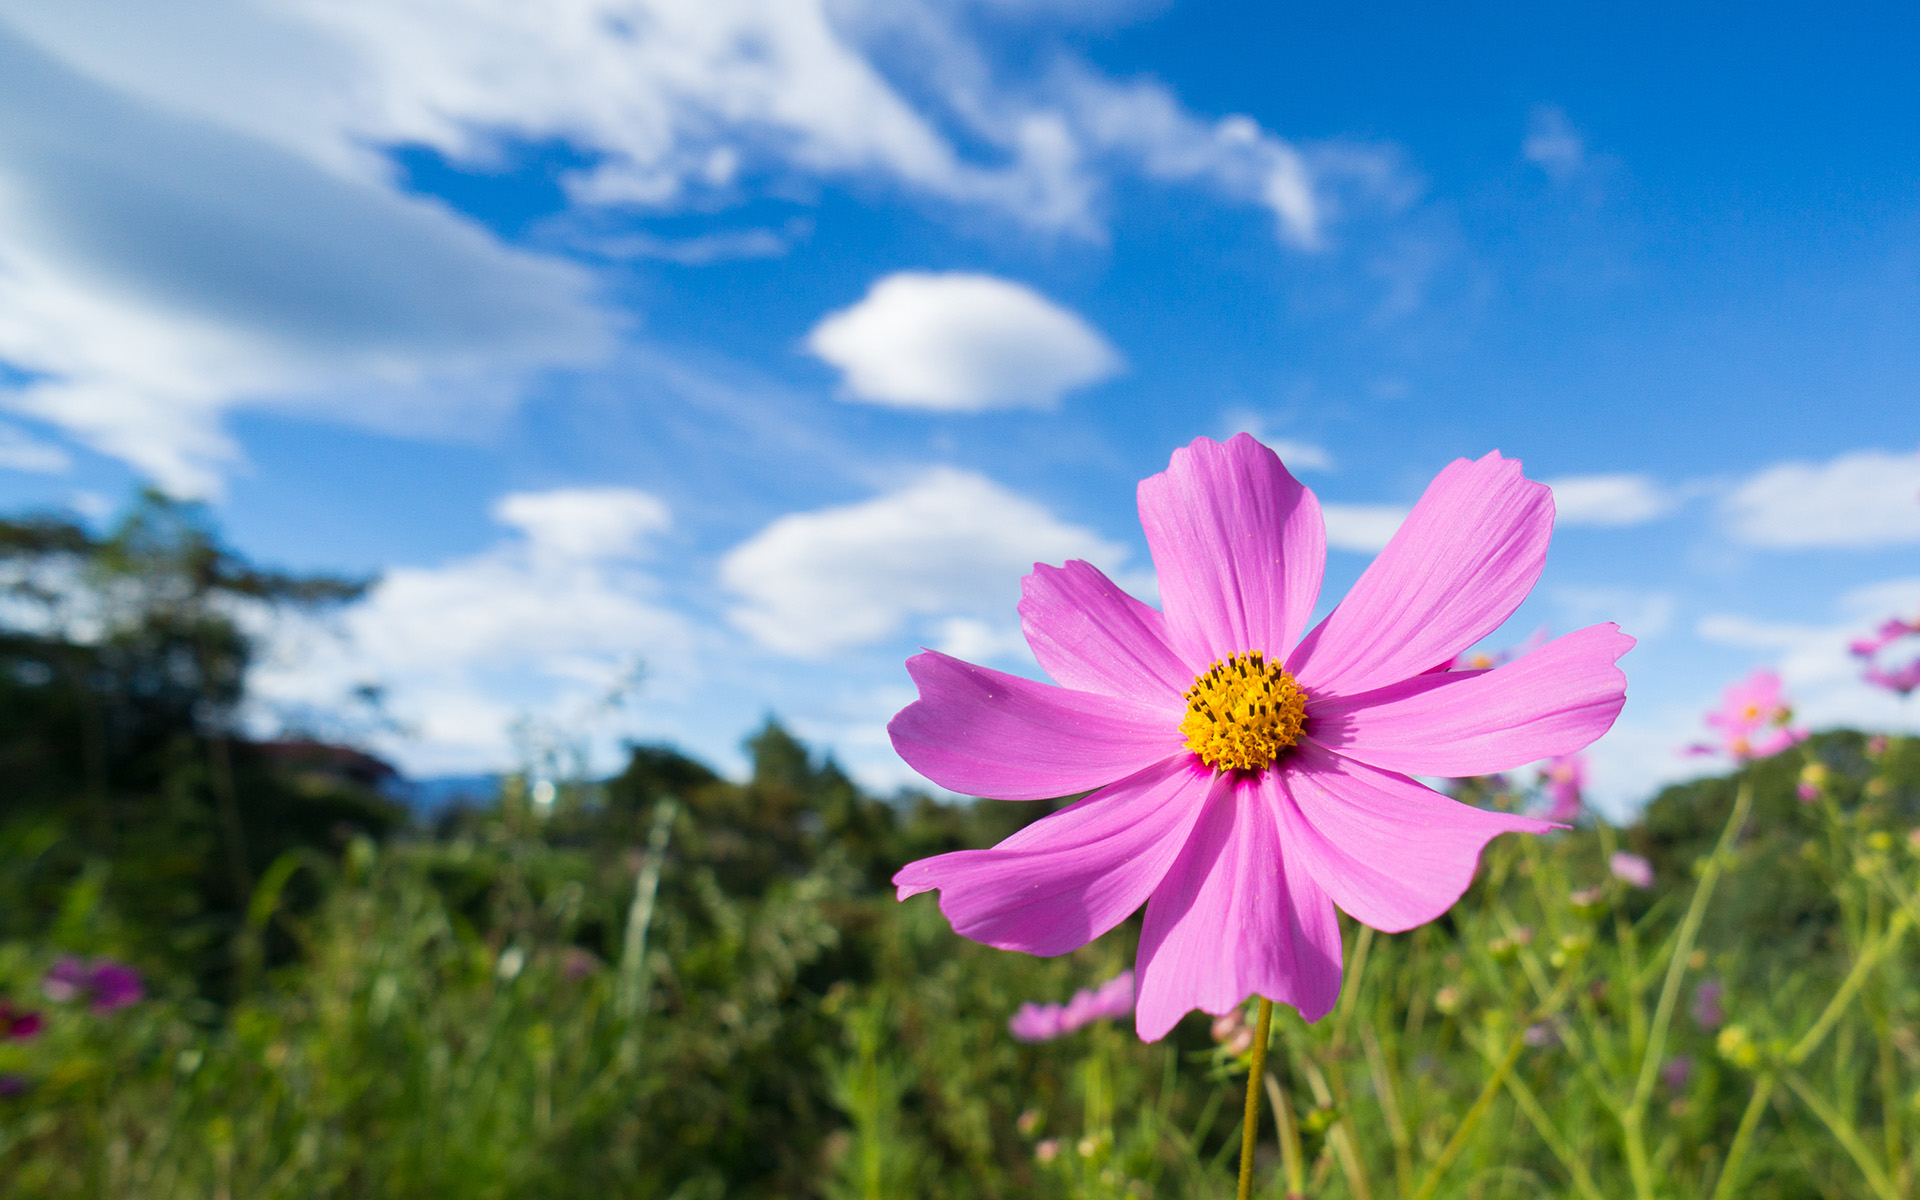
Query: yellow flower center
x=1242, y=712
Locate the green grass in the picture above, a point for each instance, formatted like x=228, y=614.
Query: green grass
x=466, y=1015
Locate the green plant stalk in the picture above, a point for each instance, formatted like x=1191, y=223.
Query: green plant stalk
x=1723, y=1188
x=1468, y=1123
x=1844, y=1133
x=1288, y=1131
x=1633, y=1120
x=1543, y=1125
x=630, y=998
x=1849, y=986
x=1390, y=1107
x=1250, y=1127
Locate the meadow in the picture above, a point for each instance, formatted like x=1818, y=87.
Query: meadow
x=670, y=984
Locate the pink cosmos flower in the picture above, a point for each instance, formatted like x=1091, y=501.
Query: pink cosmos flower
x=17, y=1024
x=1248, y=775
x=1708, y=1013
x=1045, y=1022
x=1631, y=869
x=1754, y=720
x=1891, y=630
x=106, y=985
x=1565, y=780
x=1902, y=680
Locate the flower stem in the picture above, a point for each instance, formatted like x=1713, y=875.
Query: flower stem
x=1250, y=1130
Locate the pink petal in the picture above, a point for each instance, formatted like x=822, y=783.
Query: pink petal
x=1391, y=852
x=1461, y=562
x=1552, y=702
x=1236, y=916
x=1069, y=877
x=988, y=733
x=1239, y=546
x=1089, y=634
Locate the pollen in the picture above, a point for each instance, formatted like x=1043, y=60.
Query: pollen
x=1242, y=712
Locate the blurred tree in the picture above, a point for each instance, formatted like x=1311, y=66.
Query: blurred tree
x=123, y=667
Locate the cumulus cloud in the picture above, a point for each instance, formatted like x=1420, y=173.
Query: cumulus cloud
x=1609, y=500
x=1860, y=500
x=1362, y=528
x=584, y=523
x=959, y=342
x=952, y=544
x=546, y=620
x=156, y=271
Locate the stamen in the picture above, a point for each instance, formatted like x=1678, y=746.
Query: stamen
x=1242, y=711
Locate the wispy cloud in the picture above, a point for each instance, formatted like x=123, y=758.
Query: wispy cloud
x=1553, y=144
x=156, y=272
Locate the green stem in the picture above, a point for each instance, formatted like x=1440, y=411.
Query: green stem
x=1543, y=1125
x=1844, y=1133
x=1723, y=1188
x=1683, y=948
x=1250, y=1129
x=1896, y=929
x=1458, y=1141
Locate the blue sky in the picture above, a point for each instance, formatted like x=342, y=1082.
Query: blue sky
x=758, y=344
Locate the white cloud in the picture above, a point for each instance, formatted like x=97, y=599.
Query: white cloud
x=958, y=342
x=1863, y=499
x=1362, y=528
x=20, y=452
x=584, y=523
x=1609, y=500
x=196, y=211
x=952, y=544
x=1553, y=144
x=681, y=101
x=157, y=271
x=544, y=622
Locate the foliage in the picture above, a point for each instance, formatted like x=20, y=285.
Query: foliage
x=671, y=984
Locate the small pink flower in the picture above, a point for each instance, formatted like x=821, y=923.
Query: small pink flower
x=1631, y=869
x=106, y=985
x=1806, y=792
x=1249, y=774
x=1676, y=1071
x=1707, y=1011
x=1753, y=719
x=1900, y=680
x=1565, y=782
x=1044, y=1022
x=17, y=1024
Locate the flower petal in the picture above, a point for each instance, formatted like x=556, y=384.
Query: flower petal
x=1089, y=634
x=1239, y=545
x=1461, y=562
x=1071, y=876
x=1391, y=852
x=988, y=733
x=1236, y=916
x=1552, y=702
